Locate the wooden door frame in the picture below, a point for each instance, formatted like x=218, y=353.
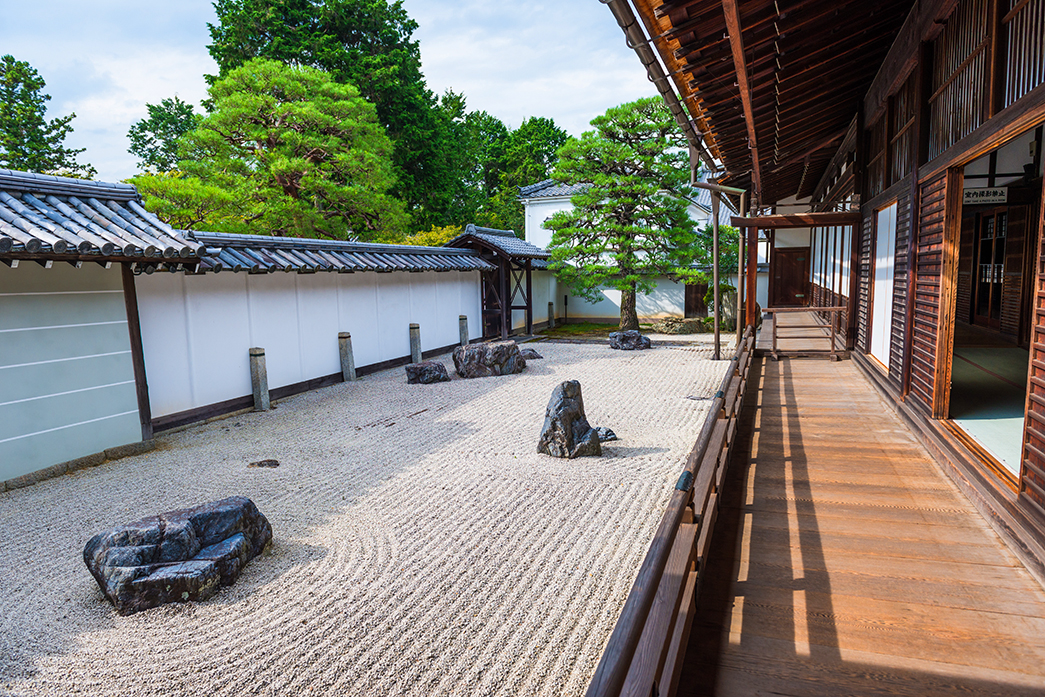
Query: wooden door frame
x=774, y=256
x=952, y=228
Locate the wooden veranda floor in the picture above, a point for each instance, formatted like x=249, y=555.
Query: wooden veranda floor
x=846, y=563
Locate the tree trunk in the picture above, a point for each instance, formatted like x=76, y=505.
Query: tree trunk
x=629, y=318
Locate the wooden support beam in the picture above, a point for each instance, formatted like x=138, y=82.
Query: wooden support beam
x=736, y=43
x=794, y=220
x=141, y=383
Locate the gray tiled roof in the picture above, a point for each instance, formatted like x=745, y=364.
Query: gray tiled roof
x=550, y=188
x=61, y=218
x=504, y=240
x=263, y=254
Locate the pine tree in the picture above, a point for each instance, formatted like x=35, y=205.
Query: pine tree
x=631, y=224
x=29, y=142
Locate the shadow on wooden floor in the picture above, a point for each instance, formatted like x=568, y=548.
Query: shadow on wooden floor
x=845, y=563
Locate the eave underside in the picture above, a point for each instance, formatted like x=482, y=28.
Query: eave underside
x=809, y=64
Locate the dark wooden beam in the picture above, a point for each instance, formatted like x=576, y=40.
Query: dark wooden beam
x=924, y=23
x=736, y=43
x=134, y=329
x=794, y=220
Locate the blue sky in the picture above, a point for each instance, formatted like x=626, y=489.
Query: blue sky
x=106, y=59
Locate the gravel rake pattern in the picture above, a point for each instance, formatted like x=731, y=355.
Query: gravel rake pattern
x=421, y=545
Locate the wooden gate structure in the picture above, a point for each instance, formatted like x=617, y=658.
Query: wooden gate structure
x=509, y=287
x=880, y=117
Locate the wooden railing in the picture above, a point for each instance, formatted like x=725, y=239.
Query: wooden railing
x=833, y=352
x=648, y=644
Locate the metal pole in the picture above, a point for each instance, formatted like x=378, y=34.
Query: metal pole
x=714, y=270
x=740, y=274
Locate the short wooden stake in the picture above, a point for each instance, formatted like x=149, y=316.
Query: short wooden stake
x=415, y=343
x=259, y=380
x=551, y=315
x=348, y=361
x=462, y=324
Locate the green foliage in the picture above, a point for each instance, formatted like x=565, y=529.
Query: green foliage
x=155, y=139
x=28, y=142
x=286, y=151
x=728, y=248
x=435, y=237
x=631, y=224
x=369, y=44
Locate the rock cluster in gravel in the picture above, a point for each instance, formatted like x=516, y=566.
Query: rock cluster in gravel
x=629, y=340
x=426, y=373
x=566, y=431
x=484, y=360
x=177, y=556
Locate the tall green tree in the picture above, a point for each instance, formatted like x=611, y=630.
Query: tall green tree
x=155, y=139
x=368, y=43
x=631, y=224
x=526, y=156
x=28, y=141
x=285, y=151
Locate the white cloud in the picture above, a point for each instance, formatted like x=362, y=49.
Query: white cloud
x=106, y=60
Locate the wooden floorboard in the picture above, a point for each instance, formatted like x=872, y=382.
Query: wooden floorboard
x=845, y=563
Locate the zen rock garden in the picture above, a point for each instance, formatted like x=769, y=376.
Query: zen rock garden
x=177, y=556
x=629, y=340
x=566, y=432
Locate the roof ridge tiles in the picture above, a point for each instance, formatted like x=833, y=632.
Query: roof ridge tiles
x=49, y=183
x=221, y=239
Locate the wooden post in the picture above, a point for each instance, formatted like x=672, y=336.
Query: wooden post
x=551, y=315
x=506, y=300
x=752, y=270
x=348, y=361
x=415, y=343
x=462, y=327
x=141, y=383
x=529, y=298
x=714, y=272
x=259, y=381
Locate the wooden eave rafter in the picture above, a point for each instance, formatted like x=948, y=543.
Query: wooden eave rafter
x=736, y=45
x=659, y=27
x=807, y=65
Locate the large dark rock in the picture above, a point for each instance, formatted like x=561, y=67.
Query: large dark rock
x=566, y=431
x=426, y=372
x=484, y=360
x=628, y=340
x=530, y=354
x=177, y=556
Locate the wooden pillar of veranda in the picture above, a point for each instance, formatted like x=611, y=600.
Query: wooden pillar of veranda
x=529, y=297
x=751, y=315
x=506, y=298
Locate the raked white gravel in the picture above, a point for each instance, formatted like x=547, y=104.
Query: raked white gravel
x=422, y=546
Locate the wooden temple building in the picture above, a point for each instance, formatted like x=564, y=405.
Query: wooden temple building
x=874, y=525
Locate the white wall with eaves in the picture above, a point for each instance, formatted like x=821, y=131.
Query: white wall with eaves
x=197, y=329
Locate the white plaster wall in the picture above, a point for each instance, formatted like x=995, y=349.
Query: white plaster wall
x=66, y=376
x=539, y=210
x=196, y=330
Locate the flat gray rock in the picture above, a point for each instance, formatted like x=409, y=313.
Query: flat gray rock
x=426, y=372
x=530, y=354
x=177, y=556
x=485, y=360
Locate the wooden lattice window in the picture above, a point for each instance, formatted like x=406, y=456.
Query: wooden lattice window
x=960, y=79
x=1024, y=33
